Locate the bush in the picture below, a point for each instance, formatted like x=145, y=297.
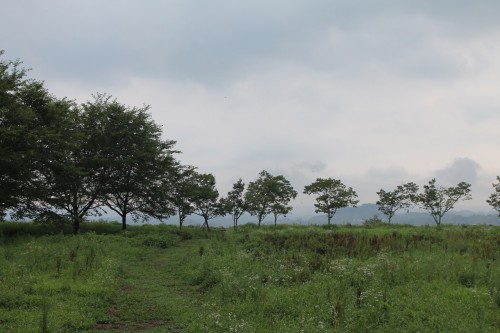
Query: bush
x=159, y=242
x=374, y=221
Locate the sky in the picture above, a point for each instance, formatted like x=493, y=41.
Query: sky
x=374, y=93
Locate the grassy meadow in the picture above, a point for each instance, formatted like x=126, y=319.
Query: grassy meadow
x=289, y=278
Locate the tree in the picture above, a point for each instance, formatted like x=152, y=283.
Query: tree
x=74, y=182
x=438, y=200
x=178, y=190
x=269, y=194
x=258, y=196
x=403, y=197
x=281, y=193
x=204, y=197
x=494, y=199
x=235, y=204
x=138, y=159
x=51, y=163
x=26, y=112
x=332, y=195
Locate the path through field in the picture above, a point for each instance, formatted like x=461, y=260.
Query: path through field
x=153, y=297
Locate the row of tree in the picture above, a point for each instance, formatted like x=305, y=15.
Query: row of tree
x=62, y=161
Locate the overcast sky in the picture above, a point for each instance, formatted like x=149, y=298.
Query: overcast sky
x=374, y=93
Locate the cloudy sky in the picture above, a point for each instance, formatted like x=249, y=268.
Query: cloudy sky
x=374, y=93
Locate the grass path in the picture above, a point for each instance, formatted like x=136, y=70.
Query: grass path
x=153, y=296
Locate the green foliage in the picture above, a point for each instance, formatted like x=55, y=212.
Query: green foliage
x=178, y=189
x=204, y=197
x=494, y=199
x=137, y=157
x=269, y=195
x=160, y=242
x=235, y=204
x=403, y=197
x=293, y=278
x=373, y=221
x=332, y=195
x=438, y=200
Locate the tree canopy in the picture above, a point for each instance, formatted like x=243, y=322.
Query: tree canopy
x=234, y=203
x=494, y=199
x=438, y=200
x=403, y=197
x=332, y=194
x=64, y=161
x=269, y=194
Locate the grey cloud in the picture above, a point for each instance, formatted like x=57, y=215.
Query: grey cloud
x=315, y=167
x=461, y=169
x=391, y=173
x=218, y=41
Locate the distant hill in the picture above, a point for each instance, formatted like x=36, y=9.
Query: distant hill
x=358, y=216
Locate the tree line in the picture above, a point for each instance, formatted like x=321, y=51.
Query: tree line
x=61, y=162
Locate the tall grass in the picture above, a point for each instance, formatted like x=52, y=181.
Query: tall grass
x=376, y=278
x=352, y=280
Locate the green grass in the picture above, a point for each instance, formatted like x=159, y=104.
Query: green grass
x=381, y=278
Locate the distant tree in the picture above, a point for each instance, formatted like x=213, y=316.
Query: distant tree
x=269, y=194
x=204, y=197
x=234, y=203
x=332, y=195
x=138, y=160
x=438, y=200
x=403, y=197
x=178, y=187
x=282, y=193
x=259, y=196
x=494, y=199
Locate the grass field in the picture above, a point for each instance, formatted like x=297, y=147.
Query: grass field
x=382, y=278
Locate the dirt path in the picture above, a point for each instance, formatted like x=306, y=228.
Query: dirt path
x=154, y=296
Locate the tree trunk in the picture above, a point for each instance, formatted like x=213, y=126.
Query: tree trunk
x=75, y=221
x=206, y=224
x=180, y=219
x=124, y=221
x=76, y=227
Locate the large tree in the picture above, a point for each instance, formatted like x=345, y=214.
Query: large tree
x=74, y=182
x=438, y=200
x=494, y=199
x=38, y=133
x=138, y=161
x=332, y=194
x=234, y=203
x=402, y=197
x=29, y=121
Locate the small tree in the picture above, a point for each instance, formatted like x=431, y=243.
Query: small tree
x=282, y=193
x=204, y=197
x=332, y=195
x=494, y=199
x=269, y=194
x=438, y=200
x=235, y=204
x=403, y=197
x=259, y=197
x=178, y=190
